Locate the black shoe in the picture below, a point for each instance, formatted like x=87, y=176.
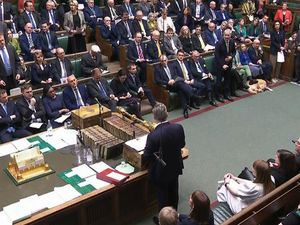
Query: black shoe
x=186, y=113
x=188, y=107
x=220, y=99
x=229, y=98
x=155, y=220
x=195, y=106
x=296, y=80
x=213, y=103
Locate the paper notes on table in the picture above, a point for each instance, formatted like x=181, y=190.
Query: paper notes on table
x=138, y=144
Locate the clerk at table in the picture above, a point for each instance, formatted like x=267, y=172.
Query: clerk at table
x=10, y=126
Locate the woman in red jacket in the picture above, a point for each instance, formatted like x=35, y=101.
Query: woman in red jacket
x=284, y=16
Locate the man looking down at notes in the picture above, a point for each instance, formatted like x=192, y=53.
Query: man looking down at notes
x=163, y=154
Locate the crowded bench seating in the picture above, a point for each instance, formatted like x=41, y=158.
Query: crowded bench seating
x=105, y=46
x=265, y=211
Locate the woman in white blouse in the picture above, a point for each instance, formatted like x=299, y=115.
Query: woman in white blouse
x=239, y=193
x=164, y=22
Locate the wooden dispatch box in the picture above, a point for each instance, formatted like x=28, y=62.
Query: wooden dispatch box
x=135, y=158
x=89, y=116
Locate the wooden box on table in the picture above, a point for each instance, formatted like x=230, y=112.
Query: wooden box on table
x=89, y=116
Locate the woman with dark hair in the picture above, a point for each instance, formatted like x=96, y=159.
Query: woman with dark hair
x=284, y=16
x=277, y=46
x=184, y=19
x=54, y=105
x=41, y=72
x=121, y=90
x=24, y=73
x=253, y=29
x=284, y=167
x=239, y=193
x=186, y=39
x=200, y=210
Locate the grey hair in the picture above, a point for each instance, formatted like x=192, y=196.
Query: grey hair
x=160, y=112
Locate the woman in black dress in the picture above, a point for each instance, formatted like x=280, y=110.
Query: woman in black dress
x=74, y=24
x=186, y=40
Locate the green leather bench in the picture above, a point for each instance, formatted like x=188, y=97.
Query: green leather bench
x=77, y=67
x=63, y=42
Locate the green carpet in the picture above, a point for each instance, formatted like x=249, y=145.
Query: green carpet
x=230, y=137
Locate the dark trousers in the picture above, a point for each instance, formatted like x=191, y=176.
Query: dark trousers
x=150, y=96
x=224, y=75
x=10, y=83
x=167, y=193
x=267, y=70
x=184, y=90
x=111, y=104
x=6, y=137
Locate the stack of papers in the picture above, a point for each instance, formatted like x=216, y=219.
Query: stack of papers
x=21, y=144
x=4, y=219
x=33, y=203
x=83, y=171
x=138, y=144
x=16, y=212
x=67, y=192
x=100, y=166
x=7, y=149
x=51, y=199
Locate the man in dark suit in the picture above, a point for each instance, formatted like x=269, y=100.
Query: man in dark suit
x=174, y=8
x=29, y=43
x=62, y=65
x=171, y=43
x=109, y=33
x=48, y=40
x=74, y=95
x=154, y=47
x=202, y=75
x=100, y=92
x=137, y=88
x=222, y=14
x=111, y=11
x=256, y=56
x=29, y=16
x=31, y=110
x=198, y=11
x=7, y=16
x=198, y=39
x=220, y=30
x=210, y=35
x=165, y=76
x=50, y=14
x=263, y=26
x=210, y=14
x=92, y=14
x=9, y=65
x=224, y=53
x=128, y=8
x=136, y=53
x=125, y=30
x=163, y=153
x=92, y=60
x=9, y=120
x=141, y=25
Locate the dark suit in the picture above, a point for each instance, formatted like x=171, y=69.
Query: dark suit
x=277, y=41
x=92, y=16
x=168, y=46
x=123, y=35
x=196, y=42
x=263, y=28
x=123, y=8
x=58, y=70
x=96, y=91
x=134, y=85
x=23, y=19
x=46, y=17
x=152, y=50
x=70, y=99
x=38, y=75
x=198, y=19
x=107, y=12
x=10, y=128
x=169, y=139
x=24, y=44
x=174, y=8
x=111, y=36
x=181, y=21
x=88, y=64
x=220, y=55
x=209, y=15
x=14, y=60
x=209, y=37
x=45, y=46
x=137, y=27
x=220, y=18
x=8, y=11
x=27, y=113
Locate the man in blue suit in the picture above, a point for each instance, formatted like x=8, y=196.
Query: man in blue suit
x=74, y=95
x=50, y=14
x=127, y=7
x=163, y=153
x=155, y=47
x=92, y=14
x=10, y=120
x=125, y=30
x=48, y=39
x=210, y=35
x=222, y=14
x=109, y=33
x=29, y=43
x=29, y=16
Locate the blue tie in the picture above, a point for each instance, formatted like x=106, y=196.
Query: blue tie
x=4, y=106
x=102, y=91
x=49, y=41
x=32, y=20
x=6, y=62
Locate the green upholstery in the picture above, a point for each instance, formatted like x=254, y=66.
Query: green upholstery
x=297, y=21
x=238, y=15
x=174, y=100
x=77, y=67
x=209, y=61
x=63, y=42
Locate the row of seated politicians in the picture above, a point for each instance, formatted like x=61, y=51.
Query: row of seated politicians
x=241, y=191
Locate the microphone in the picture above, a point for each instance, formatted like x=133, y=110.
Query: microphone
x=96, y=99
x=100, y=109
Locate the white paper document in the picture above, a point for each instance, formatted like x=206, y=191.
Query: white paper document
x=67, y=192
x=4, y=219
x=100, y=166
x=116, y=176
x=33, y=203
x=7, y=149
x=51, y=199
x=62, y=118
x=36, y=125
x=209, y=47
x=16, y=212
x=138, y=144
x=83, y=171
x=95, y=182
x=21, y=144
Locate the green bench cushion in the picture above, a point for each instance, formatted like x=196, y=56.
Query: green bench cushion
x=76, y=67
x=63, y=42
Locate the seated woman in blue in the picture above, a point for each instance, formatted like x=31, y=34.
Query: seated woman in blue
x=54, y=105
x=200, y=210
x=245, y=60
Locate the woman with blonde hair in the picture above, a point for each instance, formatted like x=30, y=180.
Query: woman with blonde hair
x=186, y=40
x=239, y=193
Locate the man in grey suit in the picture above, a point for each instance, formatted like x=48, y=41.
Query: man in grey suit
x=9, y=63
x=100, y=92
x=171, y=43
